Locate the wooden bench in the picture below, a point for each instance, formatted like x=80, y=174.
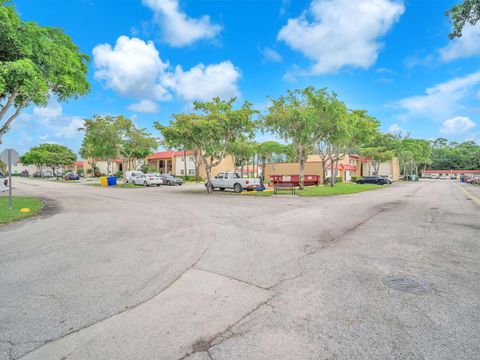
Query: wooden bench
x=284, y=186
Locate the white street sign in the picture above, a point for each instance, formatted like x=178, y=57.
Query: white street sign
x=13, y=156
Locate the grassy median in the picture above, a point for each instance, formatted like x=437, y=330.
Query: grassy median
x=19, y=202
x=338, y=189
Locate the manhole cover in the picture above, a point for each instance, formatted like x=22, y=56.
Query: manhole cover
x=407, y=284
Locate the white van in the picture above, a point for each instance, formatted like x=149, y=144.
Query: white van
x=129, y=175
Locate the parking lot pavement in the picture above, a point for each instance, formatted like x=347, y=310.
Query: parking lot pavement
x=165, y=273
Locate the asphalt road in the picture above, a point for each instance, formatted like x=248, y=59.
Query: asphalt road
x=168, y=273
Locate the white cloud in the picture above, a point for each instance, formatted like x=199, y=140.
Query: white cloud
x=52, y=109
x=457, y=125
x=205, y=82
x=134, y=68
x=395, y=129
x=442, y=100
x=144, y=106
x=269, y=54
x=465, y=46
x=178, y=29
x=131, y=68
x=341, y=32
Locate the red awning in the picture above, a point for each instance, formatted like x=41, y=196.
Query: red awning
x=347, y=167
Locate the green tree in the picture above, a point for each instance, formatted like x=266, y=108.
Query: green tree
x=266, y=152
x=466, y=12
x=36, y=62
x=180, y=135
x=134, y=143
x=292, y=119
x=212, y=128
x=101, y=140
x=52, y=155
x=242, y=152
x=380, y=149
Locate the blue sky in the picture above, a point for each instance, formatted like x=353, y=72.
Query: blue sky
x=152, y=58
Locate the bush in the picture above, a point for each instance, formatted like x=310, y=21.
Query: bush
x=337, y=180
x=355, y=178
x=119, y=174
x=80, y=172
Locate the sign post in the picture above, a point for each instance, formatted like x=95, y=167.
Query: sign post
x=8, y=156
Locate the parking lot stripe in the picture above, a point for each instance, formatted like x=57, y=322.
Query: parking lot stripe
x=474, y=198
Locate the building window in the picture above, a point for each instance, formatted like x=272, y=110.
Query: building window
x=182, y=172
x=183, y=159
x=191, y=172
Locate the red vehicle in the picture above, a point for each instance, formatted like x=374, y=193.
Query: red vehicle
x=308, y=180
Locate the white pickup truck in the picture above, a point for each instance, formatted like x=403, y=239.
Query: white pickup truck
x=232, y=180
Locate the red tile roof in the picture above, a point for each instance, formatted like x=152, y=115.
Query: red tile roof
x=167, y=154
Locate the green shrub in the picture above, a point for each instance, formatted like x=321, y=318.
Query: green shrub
x=354, y=178
x=337, y=180
x=80, y=172
x=119, y=174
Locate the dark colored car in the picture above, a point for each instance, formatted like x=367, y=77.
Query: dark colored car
x=378, y=180
x=24, y=173
x=71, y=176
x=169, y=179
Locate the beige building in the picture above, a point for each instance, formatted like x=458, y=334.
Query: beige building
x=350, y=166
x=174, y=162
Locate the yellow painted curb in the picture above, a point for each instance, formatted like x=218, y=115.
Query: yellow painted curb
x=474, y=198
x=25, y=210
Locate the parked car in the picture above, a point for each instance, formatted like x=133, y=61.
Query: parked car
x=443, y=177
x=233, y=180
x=145, y=179
x=3, y=182
x=71, y=176
x=43, y=174
x=378, y=180
x=24, y=173
x=169, y=179
x=389, y=178
x=154, y=179
x=434, y=176
x=129, y=175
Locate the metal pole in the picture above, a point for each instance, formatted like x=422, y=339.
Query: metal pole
x=10, y=179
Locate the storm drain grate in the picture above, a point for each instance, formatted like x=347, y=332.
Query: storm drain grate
x=407, y=284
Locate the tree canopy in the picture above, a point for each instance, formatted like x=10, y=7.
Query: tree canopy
x=215, y=124
x=52, y=155
x=454, y=156
x=466, y=12
x=35, y=63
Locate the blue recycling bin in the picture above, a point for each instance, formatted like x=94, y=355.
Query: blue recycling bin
x=462, y=178
x=112, y=180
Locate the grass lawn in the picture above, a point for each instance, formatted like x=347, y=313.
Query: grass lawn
x=338, y=189
x=19, y=202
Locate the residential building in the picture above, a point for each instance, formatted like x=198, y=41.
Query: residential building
x=449, y=173
x=174, y=162
x=350, y=166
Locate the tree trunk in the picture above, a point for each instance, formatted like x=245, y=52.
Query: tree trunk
x=302, y=174
x=124, y=171
x=185, y=164
x=264, y=166
x=241, y=170
x=324, y=172
x=332, y=173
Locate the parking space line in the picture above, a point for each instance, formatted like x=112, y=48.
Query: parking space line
x=474, y=198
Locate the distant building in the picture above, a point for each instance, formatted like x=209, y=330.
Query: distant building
x=174, y=162
x=428, y=173
x=351, y=166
